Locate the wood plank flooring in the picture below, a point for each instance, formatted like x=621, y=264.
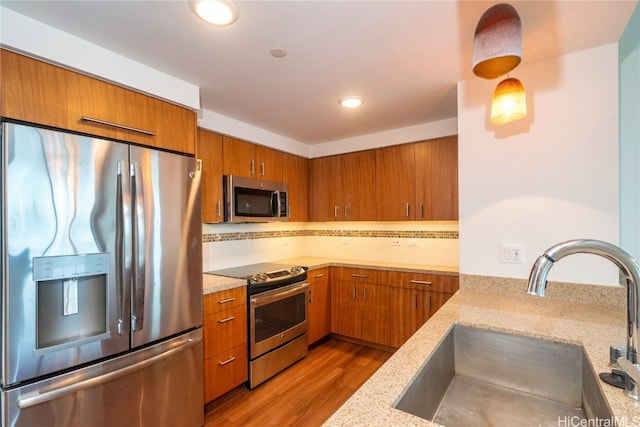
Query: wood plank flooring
x=306, y=394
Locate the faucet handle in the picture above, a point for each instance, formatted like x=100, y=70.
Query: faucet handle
x=616, y=351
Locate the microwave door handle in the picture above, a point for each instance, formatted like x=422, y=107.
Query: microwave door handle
x=123, y=244
x=137, y=314
x=276, y=194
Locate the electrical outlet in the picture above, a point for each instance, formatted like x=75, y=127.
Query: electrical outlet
x=346, y=241
x=395, y=242
x=413, y=243
x=512, y=253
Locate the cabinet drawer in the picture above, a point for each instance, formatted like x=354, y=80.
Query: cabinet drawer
x=225, y=371
x=224, y=329
x=424, y=281
x=318, y=275
x=224, y=300
x=359, y=275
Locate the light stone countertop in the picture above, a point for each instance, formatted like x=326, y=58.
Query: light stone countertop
x=591, y=325
x=212, y=283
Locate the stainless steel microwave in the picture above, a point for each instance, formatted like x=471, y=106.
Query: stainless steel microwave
x=254, y=200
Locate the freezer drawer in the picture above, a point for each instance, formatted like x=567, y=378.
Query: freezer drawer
x=160, y=385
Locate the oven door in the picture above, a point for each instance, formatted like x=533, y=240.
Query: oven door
x=276, y=317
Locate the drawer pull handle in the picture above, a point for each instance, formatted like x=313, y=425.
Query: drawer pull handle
x=364, y=276
x=115, y=125
x=317, y=276
x=229, y=360
x=224, y=301
x=421, y=282
x=228, y=319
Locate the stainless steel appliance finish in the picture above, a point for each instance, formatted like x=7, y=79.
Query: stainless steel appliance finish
x=277, y=316
x=101, y=259
x=631, y=270
x=480, y=377
x=254, y=200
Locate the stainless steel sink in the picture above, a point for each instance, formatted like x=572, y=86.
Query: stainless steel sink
x=486, y=378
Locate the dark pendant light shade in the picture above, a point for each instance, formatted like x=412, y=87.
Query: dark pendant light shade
x=497, y=43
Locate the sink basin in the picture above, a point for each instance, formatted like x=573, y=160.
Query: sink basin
x=487, y=378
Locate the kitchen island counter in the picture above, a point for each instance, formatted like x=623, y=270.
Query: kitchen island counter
x=591, y=324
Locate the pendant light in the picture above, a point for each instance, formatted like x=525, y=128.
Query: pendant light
x=509, y=102
x=497, y=42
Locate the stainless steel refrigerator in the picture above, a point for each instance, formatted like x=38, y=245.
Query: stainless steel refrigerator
x=101, y=302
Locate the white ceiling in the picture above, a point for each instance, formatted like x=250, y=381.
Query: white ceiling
x=403, y=57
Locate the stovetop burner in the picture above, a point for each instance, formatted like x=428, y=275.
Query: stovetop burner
x=265, y=276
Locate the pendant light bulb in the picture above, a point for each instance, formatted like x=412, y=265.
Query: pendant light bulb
x=509, y=102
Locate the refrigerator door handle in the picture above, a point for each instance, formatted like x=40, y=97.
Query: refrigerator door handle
x=46, y=395
x=139, y=227
x=123, y=244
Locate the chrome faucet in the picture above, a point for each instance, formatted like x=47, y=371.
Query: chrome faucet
x=631, y=270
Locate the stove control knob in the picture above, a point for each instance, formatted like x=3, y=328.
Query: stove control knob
x=296, y=270
x=258, y=278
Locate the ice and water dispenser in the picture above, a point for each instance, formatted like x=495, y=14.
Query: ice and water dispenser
x=71, y=299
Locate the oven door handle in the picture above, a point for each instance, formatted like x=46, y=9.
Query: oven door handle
x=282, y=293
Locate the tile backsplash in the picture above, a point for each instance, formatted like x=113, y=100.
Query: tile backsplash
x=427, y=243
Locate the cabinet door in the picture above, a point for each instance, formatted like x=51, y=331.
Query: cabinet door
x=375, y=314
x=358, y=186
x=319, y=308
x=437, y=179
x=268, y=163
x=433, y=302
x=209, y=150
x=27, y=91
x=345, y=311
x=407, y=313
x=225, y=371
x=238, y=157
x=38, y=92
x=325, y=183
x=295, y=173
x=395, y=183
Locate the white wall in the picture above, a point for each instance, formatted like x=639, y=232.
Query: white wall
x=547, y=178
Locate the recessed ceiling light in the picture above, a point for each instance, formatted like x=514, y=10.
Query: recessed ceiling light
x=215, y=12
x=351, y=101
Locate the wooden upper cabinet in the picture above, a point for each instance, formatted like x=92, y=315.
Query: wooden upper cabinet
x=239, y=157
x=249, y=160
x=42, y=93
x=395, y=183
x=269, y=163
x=209, y=150
x=437, y=179
x=325, y=189
x=358, y=186
x=295, y=173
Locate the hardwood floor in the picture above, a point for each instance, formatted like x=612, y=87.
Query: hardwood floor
x=306, y=394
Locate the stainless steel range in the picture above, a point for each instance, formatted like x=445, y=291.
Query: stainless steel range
x=277, y=316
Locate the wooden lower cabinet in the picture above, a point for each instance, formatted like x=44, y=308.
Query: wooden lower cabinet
x=410, y=308
x=415, y=297
x=319, y=305
x=225, y=342
x=361, y=311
